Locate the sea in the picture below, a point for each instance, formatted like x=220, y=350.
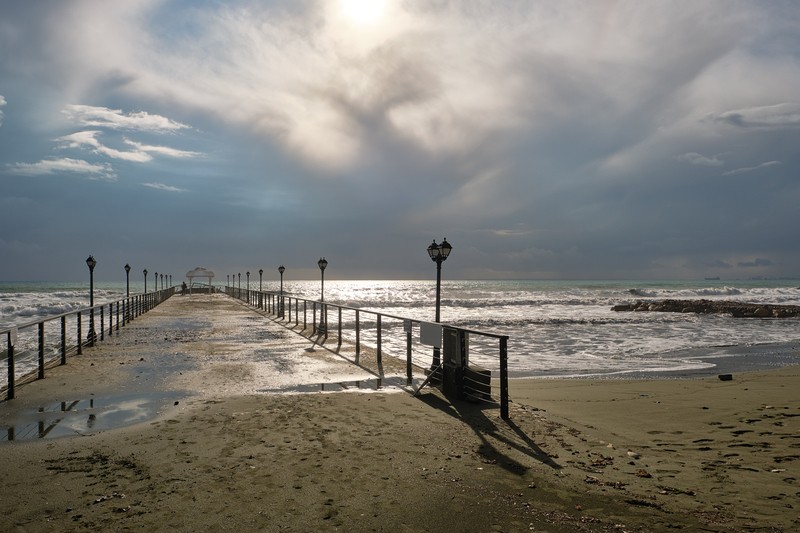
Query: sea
x=555, y=328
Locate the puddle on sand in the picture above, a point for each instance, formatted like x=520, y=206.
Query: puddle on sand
x=84, y=417
x=364, y=384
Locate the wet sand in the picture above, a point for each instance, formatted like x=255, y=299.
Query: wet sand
x=212, y=450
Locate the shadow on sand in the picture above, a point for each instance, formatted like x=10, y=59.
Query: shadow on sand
x=494, y=434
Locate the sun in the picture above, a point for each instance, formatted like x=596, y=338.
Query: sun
x=363, y=12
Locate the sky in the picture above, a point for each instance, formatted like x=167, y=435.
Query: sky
x=591, y=139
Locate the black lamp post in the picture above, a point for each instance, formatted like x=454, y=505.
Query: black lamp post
x=228, y=278
x=240, y=281
x=248, y=281
x=439, y=254
x=323, y=323
x=145, y=280
x=125, y=310
x=281, y=270
x=155, y=276
x=162, y=282
x=90, y=262
x=260, y=274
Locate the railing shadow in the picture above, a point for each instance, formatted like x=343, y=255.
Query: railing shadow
x=491, y=433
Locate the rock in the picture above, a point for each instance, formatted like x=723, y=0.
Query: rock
x=735, y=309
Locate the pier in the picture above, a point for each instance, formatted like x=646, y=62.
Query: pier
x=248, y=342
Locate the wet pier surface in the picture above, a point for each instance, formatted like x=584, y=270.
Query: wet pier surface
x=190, y=346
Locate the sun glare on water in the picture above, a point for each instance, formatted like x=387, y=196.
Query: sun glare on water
x=363, y=12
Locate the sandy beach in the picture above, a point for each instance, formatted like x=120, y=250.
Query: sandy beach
x=207, y=444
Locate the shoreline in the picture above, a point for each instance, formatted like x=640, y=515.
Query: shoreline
x=731, y=359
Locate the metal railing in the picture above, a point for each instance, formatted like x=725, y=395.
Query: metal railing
x=32, y=343
x=375, y=335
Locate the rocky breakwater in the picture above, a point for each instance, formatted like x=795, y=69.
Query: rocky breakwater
x=736, y=309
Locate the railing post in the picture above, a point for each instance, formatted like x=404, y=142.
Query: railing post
x=358, y=335
x=305, y=321
x=111, y=319
x=504, y=378
x=379, y=354
x=314, y=318
x=63, y=339
x=340, y=326
x=80, y=346
x=41, y=350
x=409, y=372
x=296, y=314
x=102, y=322
x=10, y=390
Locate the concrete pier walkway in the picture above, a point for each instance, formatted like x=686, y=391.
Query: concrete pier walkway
x=194, y=346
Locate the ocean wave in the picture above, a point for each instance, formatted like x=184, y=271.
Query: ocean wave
x=643, y=293
x=722, y=291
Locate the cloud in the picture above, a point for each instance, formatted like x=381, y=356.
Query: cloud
x=68, y=165
x=717, y=263
x=162, y=150
x=693, y=158
x=778, y=116
x=141, y=154
x=88, y=138
x=92, y=116
x=2, y=103
x=744, y=170
x=755, y=263
x=163, y=187
x=514, y=128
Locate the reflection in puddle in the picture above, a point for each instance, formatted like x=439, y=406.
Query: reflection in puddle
x=83, y=417
x=364, y=384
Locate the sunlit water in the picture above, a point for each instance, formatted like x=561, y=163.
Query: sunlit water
x=554, y=327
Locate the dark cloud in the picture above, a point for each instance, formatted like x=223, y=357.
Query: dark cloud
x=755, y=263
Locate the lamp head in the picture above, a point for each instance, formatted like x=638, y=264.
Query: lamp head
x=434, y=250
x=281, y=269
x=322, y=263
x=445, y=249
x=127, y=268
x=90, y=262
x=260, y=271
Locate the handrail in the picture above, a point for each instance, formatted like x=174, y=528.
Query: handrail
x=127, y=309
x=274, y=302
